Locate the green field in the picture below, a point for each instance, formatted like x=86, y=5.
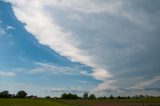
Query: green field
x=50, y=102
x=30, y=102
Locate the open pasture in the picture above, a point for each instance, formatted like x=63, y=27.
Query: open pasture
x=51, y=102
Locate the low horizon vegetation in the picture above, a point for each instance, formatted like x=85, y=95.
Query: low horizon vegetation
x=68, y=99
x=23, y=94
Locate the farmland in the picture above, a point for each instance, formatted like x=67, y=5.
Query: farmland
x=52, y=102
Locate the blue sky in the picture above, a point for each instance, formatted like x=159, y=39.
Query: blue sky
x=97, y=46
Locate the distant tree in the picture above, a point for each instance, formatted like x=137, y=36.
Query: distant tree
x=21, y=94
x=48, y=97
x=32, y=96
x=119, y=97
x=111, y=97
x=69, y=96
x=64, y=96
x=128, y=97
x=104, y=97
x=92, y=96
x=85, y=96
x=13, y=95
x=5, y=94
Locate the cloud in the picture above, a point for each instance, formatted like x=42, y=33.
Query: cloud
x=45, y=29
x=146, y=83
x=118, y=39
x=10, y=28
x=99, y=74
x=6, y=74
x=2, y=31
x=85, y=73
x=105, y=86
x=55, y=69
x=92, y=6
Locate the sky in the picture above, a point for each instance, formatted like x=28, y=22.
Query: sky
x=48, y=47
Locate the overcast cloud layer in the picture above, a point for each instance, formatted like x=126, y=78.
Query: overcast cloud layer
x=118, y=39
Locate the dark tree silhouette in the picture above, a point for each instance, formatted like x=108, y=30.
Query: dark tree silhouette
x=5, y=94
x=85, y=96
x=92, y=96
x=111, y=97
x=69, y=96
x=21, y=94
x=48, y=97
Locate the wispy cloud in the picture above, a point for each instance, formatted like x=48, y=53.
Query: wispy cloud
x=10, y=28
x=143, y=84
x=7, y=74
x=2, y=31
x=107, y=85
x=55, y=69
x=92, y=6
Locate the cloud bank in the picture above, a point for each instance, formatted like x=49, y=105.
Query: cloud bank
x=42, y=25
x=118, y=39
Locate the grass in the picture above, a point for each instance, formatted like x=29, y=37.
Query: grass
x=107, y=102
x=30, y=102
x=122, y=102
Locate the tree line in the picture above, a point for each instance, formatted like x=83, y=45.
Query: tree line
x=6, y=94
x=23, y=94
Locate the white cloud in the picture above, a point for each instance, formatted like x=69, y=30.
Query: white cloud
x=6, y=74
x=10, y=28
x=101, y=74
x=43, y=26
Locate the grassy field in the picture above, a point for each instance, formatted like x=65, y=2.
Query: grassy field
x=30, y=102
x=47, y=102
